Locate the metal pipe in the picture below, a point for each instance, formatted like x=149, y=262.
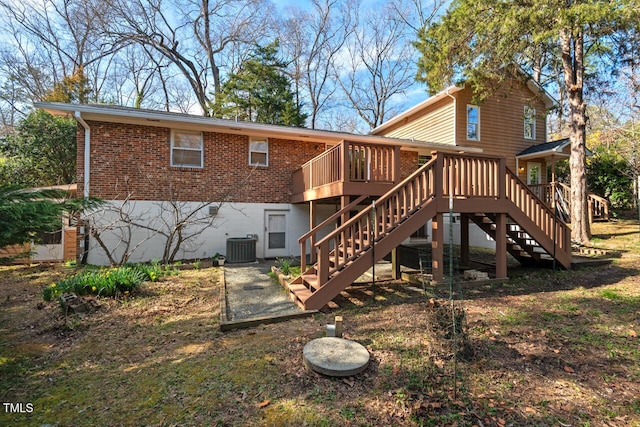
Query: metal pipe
x=87, y=151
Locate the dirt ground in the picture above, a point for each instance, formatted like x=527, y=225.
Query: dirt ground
x=545, y=348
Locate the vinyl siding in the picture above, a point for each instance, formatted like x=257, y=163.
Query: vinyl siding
x=434, y=124
x=502, y=122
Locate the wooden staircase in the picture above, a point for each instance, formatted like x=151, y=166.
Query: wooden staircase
x=520, y=244
x=472, y=183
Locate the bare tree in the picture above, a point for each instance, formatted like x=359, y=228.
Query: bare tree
x=54, y=39
x=122, y=229
x=193, y=35
x=415, y=14
x=313, y=39
x=378, y=65
x=125, y=226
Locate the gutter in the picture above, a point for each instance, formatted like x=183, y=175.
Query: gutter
x=87, y=151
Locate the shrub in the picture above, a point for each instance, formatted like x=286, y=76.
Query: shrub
x=284, y=265
x=107, y=282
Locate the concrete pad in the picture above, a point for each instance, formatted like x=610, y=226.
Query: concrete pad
x=249, y=297
x=336, y=357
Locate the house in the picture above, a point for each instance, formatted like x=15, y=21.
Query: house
x=244, y=169
x=339, y=201
x=510, y=120
x=58, y=246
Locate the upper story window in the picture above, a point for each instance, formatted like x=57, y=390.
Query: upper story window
x=186, y=149
x=259, y=152
x=473, y=122
x=529, y=122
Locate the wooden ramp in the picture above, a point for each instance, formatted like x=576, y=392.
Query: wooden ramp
x=480, y=187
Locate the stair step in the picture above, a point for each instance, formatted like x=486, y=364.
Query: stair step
x=301, y=292
x=311, y=280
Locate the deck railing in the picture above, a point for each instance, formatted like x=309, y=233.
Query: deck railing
x=598, y=206
x=349, y=162
x=538, y=211
x=471, y=176
x=464, y=176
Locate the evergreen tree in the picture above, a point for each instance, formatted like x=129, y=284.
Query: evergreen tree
x=260, y=92
x=484, y=41
x=25, y=214
x=41, y=152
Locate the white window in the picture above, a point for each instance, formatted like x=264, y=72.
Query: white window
x=259, y=152
x=529, y=122
x=186, y=149
x=473, y=122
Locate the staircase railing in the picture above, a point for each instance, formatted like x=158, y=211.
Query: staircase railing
x=391, y=208
x=538, y=212
x=460, y=175
x=598, y=206
x=311, y=236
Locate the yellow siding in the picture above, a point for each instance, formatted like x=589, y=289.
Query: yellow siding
x=434, y=124
x=502, y=122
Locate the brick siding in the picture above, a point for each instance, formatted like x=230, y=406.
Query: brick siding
x=136, y=159
x=408, y=162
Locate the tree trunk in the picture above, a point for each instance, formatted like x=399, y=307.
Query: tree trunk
x=573, y=64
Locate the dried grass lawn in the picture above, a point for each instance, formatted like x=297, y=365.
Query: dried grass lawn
x=546, y=348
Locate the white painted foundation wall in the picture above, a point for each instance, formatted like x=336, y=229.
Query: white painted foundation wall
x=477, y=237
x=232, y=220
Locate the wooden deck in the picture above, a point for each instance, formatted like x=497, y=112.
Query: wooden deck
x=348, y=169
x=481, y=188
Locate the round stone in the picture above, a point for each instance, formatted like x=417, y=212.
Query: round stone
x=336, y=357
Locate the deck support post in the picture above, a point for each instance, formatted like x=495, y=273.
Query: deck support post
x=344, y=201
x=397, y=172
x=395, y=263
x=501, y=246
x=313, y=213
x=437, y=247
x=464, y=239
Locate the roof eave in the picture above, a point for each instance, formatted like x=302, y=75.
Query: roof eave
x=417, y=108
x=165, y=119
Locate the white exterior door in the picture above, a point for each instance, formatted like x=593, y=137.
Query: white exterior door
x=275, y=227
x=534, y=173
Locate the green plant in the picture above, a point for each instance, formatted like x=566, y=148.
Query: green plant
x=284, y=265
x=107, y=282
x=152, y=272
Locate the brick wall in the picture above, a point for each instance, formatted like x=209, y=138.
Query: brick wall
x=408, y=162
x=136, y=159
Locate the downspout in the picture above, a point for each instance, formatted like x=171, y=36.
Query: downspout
x=455, y=115
x=84, y=244
x=87, y=141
